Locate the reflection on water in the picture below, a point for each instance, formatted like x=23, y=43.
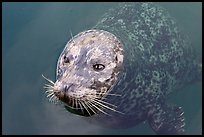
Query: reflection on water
x=34, y=35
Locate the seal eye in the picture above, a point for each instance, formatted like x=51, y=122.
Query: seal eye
x=98, y=67
x=66, y=59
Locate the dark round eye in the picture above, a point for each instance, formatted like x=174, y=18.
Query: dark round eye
x=66, y=59
x=98, y=67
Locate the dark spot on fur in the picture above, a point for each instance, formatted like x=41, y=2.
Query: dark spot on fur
x=107, y=80
x=116, y=58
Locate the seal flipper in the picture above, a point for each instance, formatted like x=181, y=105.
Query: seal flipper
x=167, y=120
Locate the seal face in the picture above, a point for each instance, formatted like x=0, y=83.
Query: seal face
x=87, y=68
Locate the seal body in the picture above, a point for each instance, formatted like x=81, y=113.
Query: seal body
x=157, y=60
x=140, y=56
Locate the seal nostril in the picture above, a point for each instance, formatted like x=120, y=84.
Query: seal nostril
x=67, y=87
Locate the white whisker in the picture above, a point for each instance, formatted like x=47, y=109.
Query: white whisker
x=108, y=94
x=104, y=106
x=99, y=108
x=76, y=103
x=49, y=91
x=104, y=102
x=50, y=99
x=46, y=87
x=49, y=85
x=85, y=108
x=81, y=106
x=73, y=102
x=89, y=106
x=72, y=35
x=55, y=99
x=50, y=94
x=48, y=79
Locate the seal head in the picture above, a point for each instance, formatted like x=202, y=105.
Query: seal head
x=87, y=68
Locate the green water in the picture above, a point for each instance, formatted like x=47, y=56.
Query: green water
x=33, y=36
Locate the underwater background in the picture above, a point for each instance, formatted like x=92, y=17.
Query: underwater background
x=34, y=35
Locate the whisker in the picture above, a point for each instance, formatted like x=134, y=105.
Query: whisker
x=55, y=100
x=99, y=108
x=72, y=35
x=104, y=106
x=48, y=88
x=99, y=99
x=83, y=104
x=105, y=102
x=76, y=103
x=89, y=106
x=49, y=85
x=108, y=94
x=73, y=102
x=51, y=97
x=49, y=91
x=48, y=79
x=50, y=94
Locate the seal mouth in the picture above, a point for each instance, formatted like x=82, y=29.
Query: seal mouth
x=86, y=106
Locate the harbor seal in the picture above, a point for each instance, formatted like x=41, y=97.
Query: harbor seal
x=120, y=72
